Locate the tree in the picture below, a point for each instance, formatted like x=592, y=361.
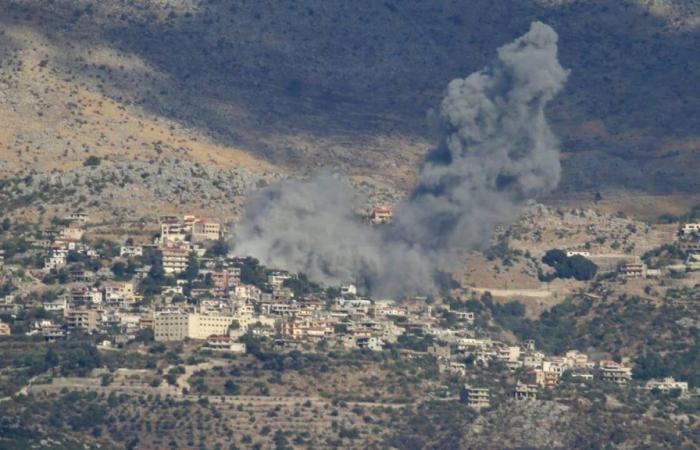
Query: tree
x=581, y=268
x=192, y=270
x=230, y=388
x=220, y=248
x=252, y=272
x=92, y=161
x=576, y=266
x=554, y=258
x=300, y=285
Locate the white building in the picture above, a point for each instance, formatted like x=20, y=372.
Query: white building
x=571, y=253
x=350, y=289
x=131, y=250
x=667, y=384
x=225, y=344
x=172, y=231
x=691, y=228
x=176, y=326
x=57, y=259
x=247, y=292
x=205, y=230
x=174, y=259
x=119, y=293
x=277, y=279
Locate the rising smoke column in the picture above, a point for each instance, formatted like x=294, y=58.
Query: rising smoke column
x=496, y=153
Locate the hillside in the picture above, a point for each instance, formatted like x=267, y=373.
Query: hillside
x=274, y=87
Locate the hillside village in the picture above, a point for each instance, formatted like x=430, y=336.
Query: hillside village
x=181, y=283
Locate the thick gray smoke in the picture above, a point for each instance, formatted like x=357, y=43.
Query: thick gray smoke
x=497, y=152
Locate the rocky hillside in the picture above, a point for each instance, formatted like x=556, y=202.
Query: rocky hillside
x=268, y=87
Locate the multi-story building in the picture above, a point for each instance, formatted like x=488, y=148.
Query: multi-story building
x=370, y=343
x=79, y=217
x=543, y=378
x=131, y=250
x=525, y=391
x=174, y=259
x=225, y=343
x=226, y=279
x=73, y=232
x=83, y=319
x=86, y=295
x=247, y=292
x=205, y=230
x=119, y=293
x=60, y=304
x=277, y=279
x=477, y=398
x=172, y=230
x=57, y=258
x=615, y=372
x=509, y=354
x=176, y=326
x=667, y=384
x=380, y=215
x=633, y=270
x=690, y=228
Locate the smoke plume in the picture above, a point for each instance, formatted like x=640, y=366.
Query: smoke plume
x=496, y=153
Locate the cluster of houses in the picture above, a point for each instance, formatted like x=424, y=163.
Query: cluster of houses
x=630, y=267
x=540, y=371
x=215, y=306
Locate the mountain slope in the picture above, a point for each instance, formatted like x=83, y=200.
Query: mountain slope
x=329, y=83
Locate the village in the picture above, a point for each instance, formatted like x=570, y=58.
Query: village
x=185, y=285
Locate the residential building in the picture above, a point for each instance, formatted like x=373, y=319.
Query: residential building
x=187, y=221
x=225, y=279
x=73, y=232
x=690, y=228
x=525, y=391
x=464, y=316
x=370, y=343
x=277, y=279
x=5, y=329
x=509, y=354
x=615, y=372
x=225, y=343
x=86, y=295
x=689, y=246
x=348, y=290
x=543, y=378
x=79, y=217
x=120, y=293
x=380, y=215
x=247, y=292
x=633, y=270
x=667, y=384
x=574, y=358
x=83, y=319
x=476, y=398
x=583, y=376
x=60, y=304
x=47, y=329
x=174, y=259
x=175, y=326
x=57, y=258
x=172, y=231
x=130, y=250
x=205, y=230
